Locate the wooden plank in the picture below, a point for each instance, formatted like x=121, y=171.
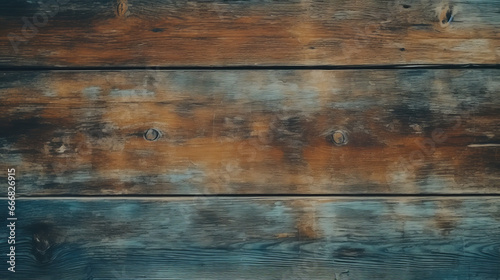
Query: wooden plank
x=257, y=238
x=252, y=132
x=257, y=32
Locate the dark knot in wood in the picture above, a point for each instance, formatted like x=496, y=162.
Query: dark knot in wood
x=152, y=134
x=338, y=137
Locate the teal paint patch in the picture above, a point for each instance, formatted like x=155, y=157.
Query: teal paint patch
x=334, y=217
x=184, y=176
x=279, y=90
x=435, y=184
x=49, y=93
x=6, y=156
x=80, y=176
x=92, y=92
x=131, y=93
x=177, y=181
x=124, y=211
x=424, y=209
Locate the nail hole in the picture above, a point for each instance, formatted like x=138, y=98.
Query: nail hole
x=406, y=6
x=402, y=49
x=152, y=134
x=338, y=138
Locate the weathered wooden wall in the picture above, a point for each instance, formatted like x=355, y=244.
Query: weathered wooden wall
x=245, y=181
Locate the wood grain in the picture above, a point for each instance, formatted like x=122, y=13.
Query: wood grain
x=251, y=238
x=252, y=132
x=143, y=33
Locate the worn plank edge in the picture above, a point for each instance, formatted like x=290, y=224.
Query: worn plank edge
x=8, y=68
x=256, y=196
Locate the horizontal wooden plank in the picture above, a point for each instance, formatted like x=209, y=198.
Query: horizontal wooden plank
x=251, y=238
x=257, y=32
x=251, y=132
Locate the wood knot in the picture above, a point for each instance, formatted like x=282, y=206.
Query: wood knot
x=152, y=134
x=44, y=236
x=122, y=8
x=446, y=14
x=338, y=137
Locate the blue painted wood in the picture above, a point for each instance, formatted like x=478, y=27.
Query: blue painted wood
x=257, y=238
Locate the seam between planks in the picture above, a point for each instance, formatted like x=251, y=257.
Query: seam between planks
x=254, y=67
x=251, y=196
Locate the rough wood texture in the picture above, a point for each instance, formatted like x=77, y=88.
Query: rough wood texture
x=389, y=147
x=244, y=132
x=227, y=238
x=203, y=33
